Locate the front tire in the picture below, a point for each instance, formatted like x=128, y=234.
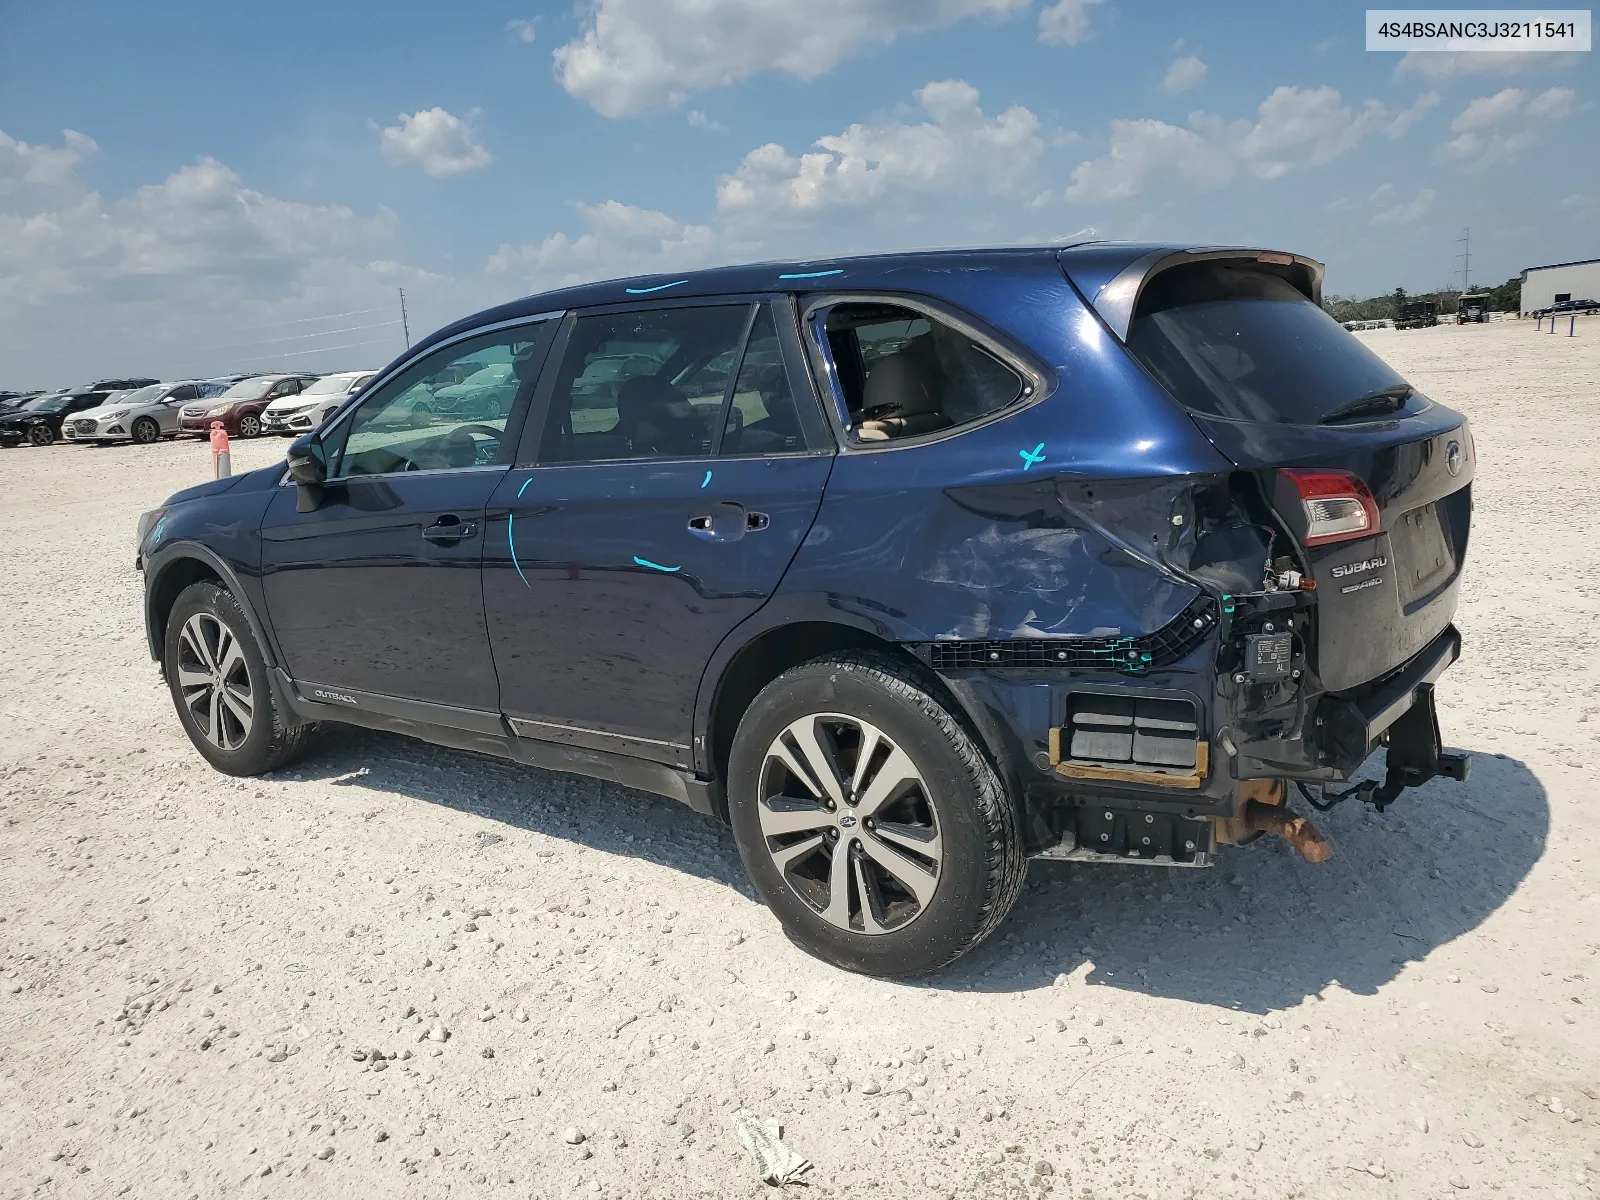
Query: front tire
x=145, y=431
x=249, y=426
x=41, y=435
x=869, y=819
x=219, y=686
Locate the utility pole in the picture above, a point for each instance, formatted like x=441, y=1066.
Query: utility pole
x=1465, y=242
x=405, y=324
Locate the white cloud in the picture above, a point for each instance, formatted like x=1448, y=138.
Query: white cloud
x=636, y=56
x=523, y=31
x=1557, y=102
x=1184, y=75
x=435, y=140
x=959, y=149
x=699, y=120
x=1407, y=117
x=621, y=240
x=1495, y=129
x=1065, y=23
x=1294, y=128
x=47, y=166
x=169, y=275
x=1488, y=110
x=1407, y=213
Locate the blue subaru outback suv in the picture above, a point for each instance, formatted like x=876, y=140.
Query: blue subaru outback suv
x=910, y=567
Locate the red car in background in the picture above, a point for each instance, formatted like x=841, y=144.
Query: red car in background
x=239, y=408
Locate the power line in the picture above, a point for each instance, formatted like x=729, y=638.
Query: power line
x=315, y=350
x=358, y=312
x=300, y=337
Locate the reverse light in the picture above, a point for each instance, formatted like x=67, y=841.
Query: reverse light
x=1338, y=506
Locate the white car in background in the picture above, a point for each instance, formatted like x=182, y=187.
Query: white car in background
x=146, y=415
x=293, y=415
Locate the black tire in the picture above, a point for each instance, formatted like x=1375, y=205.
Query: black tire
x=982, y=868
x=41, y=435
x=145, y=431
x=249, y=426
x=273, y=739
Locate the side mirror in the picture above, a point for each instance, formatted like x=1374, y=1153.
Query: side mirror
x=308, y=467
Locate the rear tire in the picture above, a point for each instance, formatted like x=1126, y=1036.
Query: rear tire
x=219, y=685
x=934, y=848
x=145, y=431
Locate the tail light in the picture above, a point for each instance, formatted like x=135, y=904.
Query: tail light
x=1338, y=506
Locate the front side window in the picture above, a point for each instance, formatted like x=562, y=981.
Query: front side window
x=446, y=412
x=905, y=373
x=642, y=385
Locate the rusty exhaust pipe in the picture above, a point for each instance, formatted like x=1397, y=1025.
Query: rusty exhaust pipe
x=1262, y=810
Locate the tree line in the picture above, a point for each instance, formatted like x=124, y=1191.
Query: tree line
x=1507, y=297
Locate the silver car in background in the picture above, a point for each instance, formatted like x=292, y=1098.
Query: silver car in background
x=145, y=415
x=294, y=415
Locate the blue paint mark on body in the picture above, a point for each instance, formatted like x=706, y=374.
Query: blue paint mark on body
x=813, y=274
x=660, y=287
x=707, y=480
x=645, y=562
x=1029, y=457
x=511, y=532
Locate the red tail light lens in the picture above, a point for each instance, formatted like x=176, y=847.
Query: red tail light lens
x=1338, y=506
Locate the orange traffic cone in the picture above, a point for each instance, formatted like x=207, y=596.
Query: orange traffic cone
x=221, y=461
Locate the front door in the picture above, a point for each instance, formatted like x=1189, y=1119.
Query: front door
x=379, y=590
x=675, y=477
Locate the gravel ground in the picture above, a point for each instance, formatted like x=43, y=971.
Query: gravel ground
x=571, y=988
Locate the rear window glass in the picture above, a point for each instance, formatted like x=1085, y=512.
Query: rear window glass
x=1247, y=345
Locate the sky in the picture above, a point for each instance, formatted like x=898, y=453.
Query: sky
x=188, y=188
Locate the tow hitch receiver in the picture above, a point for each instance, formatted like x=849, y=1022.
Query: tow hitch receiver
x=1415, y=756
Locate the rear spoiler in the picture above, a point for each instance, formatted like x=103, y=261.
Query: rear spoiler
x=1112, y=285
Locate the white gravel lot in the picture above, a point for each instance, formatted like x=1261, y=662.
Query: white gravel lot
x=194, y=971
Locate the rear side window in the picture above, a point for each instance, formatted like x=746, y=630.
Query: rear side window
x=904, y=373
x=1247, y=345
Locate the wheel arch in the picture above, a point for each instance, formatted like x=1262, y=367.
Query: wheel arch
x=177, y=567
x=774, y=650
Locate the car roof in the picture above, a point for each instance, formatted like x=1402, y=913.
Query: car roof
x=1091, y=265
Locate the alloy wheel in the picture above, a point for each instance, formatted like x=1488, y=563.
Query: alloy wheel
x=215, y=681
x=249, y=426
x=41, y=435
x=850, y=823
x=145, y=431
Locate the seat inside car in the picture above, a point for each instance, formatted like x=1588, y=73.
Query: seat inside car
x=901, y=397
x=656, y=419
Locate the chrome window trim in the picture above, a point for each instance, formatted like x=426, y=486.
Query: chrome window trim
x=1039, y=383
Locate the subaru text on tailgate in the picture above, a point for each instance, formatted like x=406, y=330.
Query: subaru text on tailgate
x=910, y=567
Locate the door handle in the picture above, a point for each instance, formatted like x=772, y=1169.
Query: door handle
x=755, y=522
x=724, y=522
x=449, y=530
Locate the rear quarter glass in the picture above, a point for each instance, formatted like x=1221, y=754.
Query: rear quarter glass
x=1244, y=344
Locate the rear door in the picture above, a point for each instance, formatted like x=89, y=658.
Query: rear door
x=377, y=595
x=678, y=463
x=1283, y=391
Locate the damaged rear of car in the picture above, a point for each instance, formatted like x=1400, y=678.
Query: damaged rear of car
x=1200, y=635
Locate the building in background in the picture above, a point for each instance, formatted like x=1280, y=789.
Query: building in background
x=1544, y=286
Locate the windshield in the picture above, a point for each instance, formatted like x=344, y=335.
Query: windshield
x=1247, y=345
x=249, y=389
x=329, y=385
x=47, y=404
x=145, y=395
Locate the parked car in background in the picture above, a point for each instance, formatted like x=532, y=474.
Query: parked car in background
x=240, y=407
x=132, y=384
x=11, y=401
x=38, y=421
x=1114, y=544
x=1423, y=314
x=303, y=413
x=212, y=388
x=144, y=416
x=1563, y=307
